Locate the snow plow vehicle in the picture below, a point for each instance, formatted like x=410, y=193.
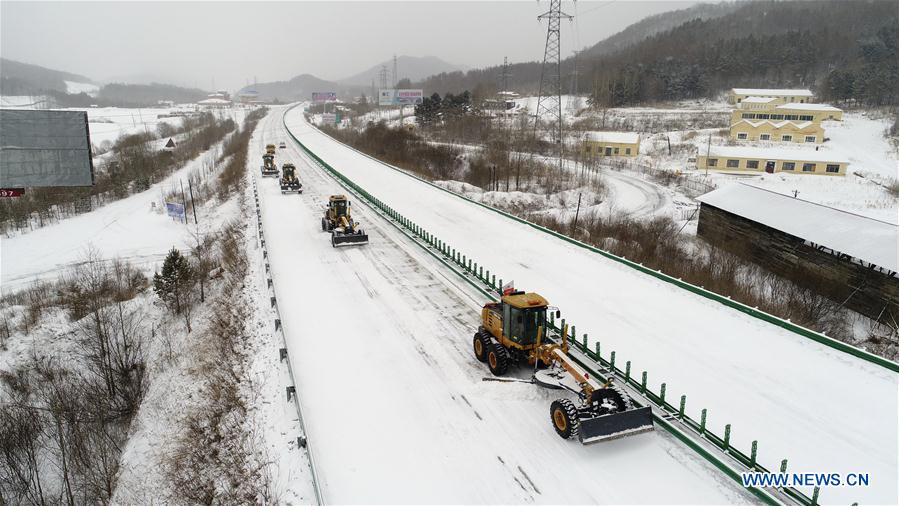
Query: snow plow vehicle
x=289, y=181
x=512, y=332
x=268, y=168
x=270, y=149
x=339, y=222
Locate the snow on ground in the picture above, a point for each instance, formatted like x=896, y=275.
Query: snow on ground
x=134, y=228
x=24, y=101
x=75, y=88
x=860, y=138
x=110, y=123
x=800, y=399
x=396, y=408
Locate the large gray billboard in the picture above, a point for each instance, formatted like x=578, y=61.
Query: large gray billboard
x=44, y=148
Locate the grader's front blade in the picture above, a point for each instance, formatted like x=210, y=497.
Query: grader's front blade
x=594, y=429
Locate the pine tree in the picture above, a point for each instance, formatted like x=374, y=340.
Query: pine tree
x=174, y=284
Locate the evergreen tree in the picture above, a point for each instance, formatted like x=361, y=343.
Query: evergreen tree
x=175, y=282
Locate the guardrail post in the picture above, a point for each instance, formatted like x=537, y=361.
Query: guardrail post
x=493, y=281
x=783, y=465
x=726, y=437
x=552, y=318
x=481, y=272
x=643, y=384
x=702, y=421
x=683, y=404
x=627, y=370
x=612, y=363
x=283, y=353
x=755, y=445
x=273, y=301
x=598, y=356
x=277, y=323
x=291, y=390
x=585, y=342
x=487, y=279
x=662, y=395
x=815, y=496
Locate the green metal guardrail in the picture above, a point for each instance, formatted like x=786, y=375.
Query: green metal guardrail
x=490, y=286
x=727, y=301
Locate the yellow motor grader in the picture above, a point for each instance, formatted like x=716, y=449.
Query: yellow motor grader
x=270, y=149
x=512, y=332
x=289, y=181
x=339, y=221
x=269, y=168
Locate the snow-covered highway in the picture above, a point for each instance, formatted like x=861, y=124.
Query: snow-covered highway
x=395, y=406
x=820, y=408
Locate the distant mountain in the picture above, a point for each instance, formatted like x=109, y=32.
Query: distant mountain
x=413, y=68
x=658, y=23
x=148, y=94
x=297, y=88
x=17, y=78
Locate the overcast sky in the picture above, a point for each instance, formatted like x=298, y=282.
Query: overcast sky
x=233, y=42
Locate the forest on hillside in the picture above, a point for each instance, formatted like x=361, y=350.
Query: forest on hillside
x=846, y=51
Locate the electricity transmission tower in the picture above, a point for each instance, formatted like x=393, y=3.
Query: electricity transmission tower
x=395, y=76
x=549, y=103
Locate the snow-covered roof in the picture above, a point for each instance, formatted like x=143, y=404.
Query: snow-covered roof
x=766, y=91
x=758, y=100
x=214, y=101
x=808, y=107
x=806, y=155
x=867, y=239
x=776, y=124
x=616, y=137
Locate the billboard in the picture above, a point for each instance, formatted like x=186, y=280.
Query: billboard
x=324, y=96
x=385, y=97
x=400, y=97
x=44, y=148
x=329, y=119
x=408, y=97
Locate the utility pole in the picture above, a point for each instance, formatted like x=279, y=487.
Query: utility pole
x=573, y=99
x=550, y=99
x=383, y=77
x=395, y=76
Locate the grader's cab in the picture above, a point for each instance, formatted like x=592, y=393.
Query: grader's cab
x=289, y=181
x=339, y=221
x=513, y=331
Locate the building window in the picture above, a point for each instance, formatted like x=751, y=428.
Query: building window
x=833, y=168
x=762, y=116
x=786, y=138
x=806, y=118
x=742, y=135
x=608, y=151
x=788, y=166
x=748, y=115
x=752, y=164
x=627, y=151
x=791, y=117
x=713, y=162
x=777, y=116
x=616, y=151
x=810, y=138
x=765, y=137
x=733, y=164
x=808, y=167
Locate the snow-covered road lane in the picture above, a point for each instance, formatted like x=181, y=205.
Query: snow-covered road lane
x=395, y=405
x=818, y=407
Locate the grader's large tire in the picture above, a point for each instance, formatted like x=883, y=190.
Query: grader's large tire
x=563, y=414
x=498, y=359
x=480, y=346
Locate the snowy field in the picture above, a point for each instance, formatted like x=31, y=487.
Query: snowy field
x=384, y=329
x=134, y=228
x=772, y=385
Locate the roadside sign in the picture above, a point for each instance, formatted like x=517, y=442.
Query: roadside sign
x=12, y=192
x=175, y=210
